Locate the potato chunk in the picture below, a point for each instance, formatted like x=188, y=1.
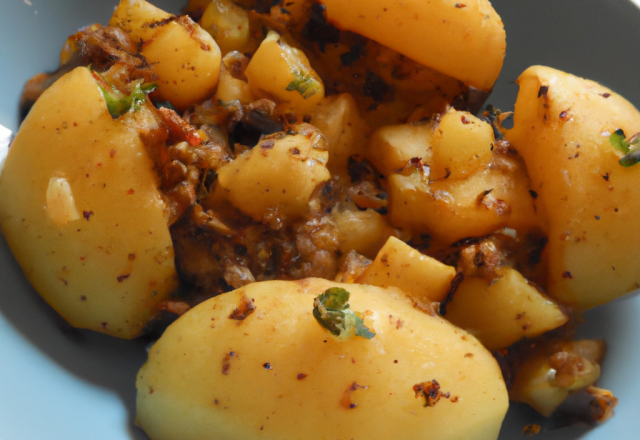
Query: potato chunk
x=276, y=178
x=503, y=312
x=278, y=373
x=282, y=73
x=185, y=58
x=465, y=41
x=588, y=200
x=82, y=213
x=397, y=264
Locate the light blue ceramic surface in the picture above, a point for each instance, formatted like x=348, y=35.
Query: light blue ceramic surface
x=56, y=383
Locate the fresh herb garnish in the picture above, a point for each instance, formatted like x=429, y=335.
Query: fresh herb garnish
x=332, y=311
x=119, y=103
x=307, y=86
x=628, y=147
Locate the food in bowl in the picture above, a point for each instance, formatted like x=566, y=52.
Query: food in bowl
x=273, y=180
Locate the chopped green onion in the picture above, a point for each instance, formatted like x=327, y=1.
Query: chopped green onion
x=307, y=86
x=332, y=311
x=629, y=147
x=118, y=103
x=618, y=140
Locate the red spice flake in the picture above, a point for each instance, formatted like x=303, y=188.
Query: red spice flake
x=295, y=151
x=606, y=177
x=75, y=124
x=534, y=195
x=454, y=399
x=430, y=390
x=66, y=283
x=567, y=274
x=180, y=128
x=83, y=298
x=460, y=5
x=87, y=214
x=131, y=191
x=83, y=258
x=112, y=154
x=564, y=115
x=150, y=390
x=132, y=256
x=465, y=120
x=468, y=355
x=531, y=429
x=226, y=362
x=346, y=396
x=121, y=278
x=302, y=376
x=104, y=325
x=267, y=366
x=268, y=145
x=244, y=309
x=606, y=95
x=597, y=217
x=395, y=361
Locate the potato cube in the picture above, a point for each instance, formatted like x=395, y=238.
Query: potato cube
x=502, y=312
x=362, y=231
x=392, y=146
x=282, y=73
x=275, y=179
x=397, y=264
x=227, y=23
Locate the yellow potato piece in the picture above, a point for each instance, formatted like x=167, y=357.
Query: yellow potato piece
x=275, y=179
x=503, y=312
x=82, y=213
x=589, y=201
x=278, y=374
x=397, y=264
x=138, y=18
x=392, y=146
x=462, y=40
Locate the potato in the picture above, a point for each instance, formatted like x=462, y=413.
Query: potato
x=227, y=23
x=230, y=88
x=82, y=213
x=465, y=41
x=462, y=146
x=282, y=73
x=278, y=374
x=392, y=146
x=502, y=312
x=397, y=264
x=588, y=200
x=451, y=210
x=362, y=231
x=275, y=179
x=337, y=117
x=183, y=56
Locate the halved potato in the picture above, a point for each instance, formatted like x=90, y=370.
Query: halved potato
x=462, y=40
x=81, y=211
x=589, y=201
x=278, y=374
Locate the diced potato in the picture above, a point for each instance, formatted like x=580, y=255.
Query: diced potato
x=338, y=119
x=397, y=264
x=82, y=212
x=276, y=178
x=462, y=145
x=138, y=18
x=183, y=56
x=227, y=23
x=282, y=73
x=230, y=88
x=504, y=311
x=551, y=374
x=392, y=146
x=463, y=40
x=279, y=373
x=588, y=200
x=362, y=231
x=451, y=210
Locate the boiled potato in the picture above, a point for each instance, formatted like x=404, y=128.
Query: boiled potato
x=393, y=146
x=227, y=23
x=337, y=117
x=588, y=200
x=185, y=58
x=362, y=231
x=279, y=374
x=282, y=73
x=82, y=213
x=462, y=40
x=397, y=264
x=502, y=312
x=275, y=179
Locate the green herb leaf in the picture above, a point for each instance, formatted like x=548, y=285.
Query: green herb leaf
x=618, y=140
x=307, y=86
x=119, y=103
x=332, y=311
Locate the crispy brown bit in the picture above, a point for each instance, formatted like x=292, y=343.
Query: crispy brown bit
x=121, y=278
x=226, y=362
x=244, y=309
x=430, y=391
x=178, y=127
x=346, y=397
